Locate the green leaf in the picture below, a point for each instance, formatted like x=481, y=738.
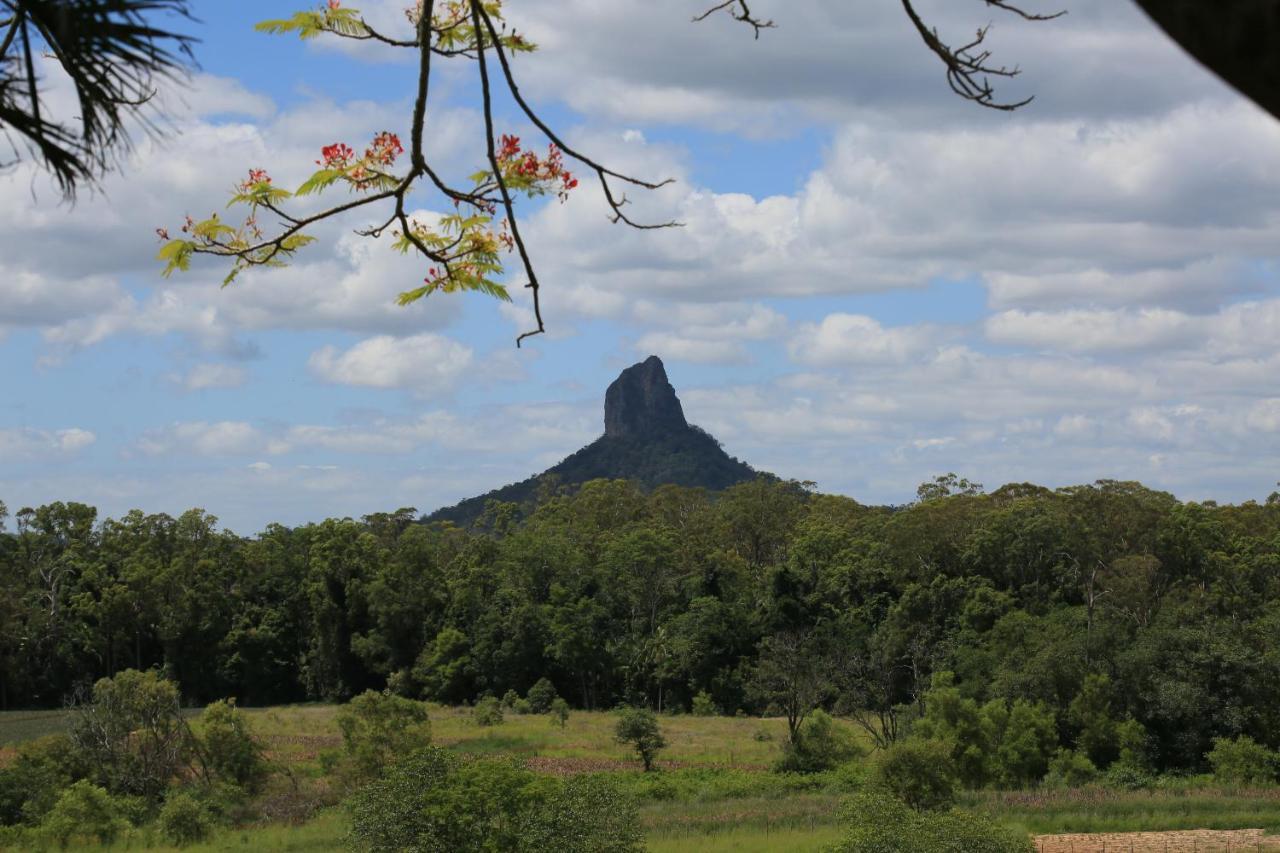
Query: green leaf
x=177, y=255
x=340, y=21
x=319, y=182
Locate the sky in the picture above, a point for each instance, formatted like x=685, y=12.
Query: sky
x=874, y=283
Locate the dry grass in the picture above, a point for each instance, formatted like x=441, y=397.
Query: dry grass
x=1186, y=841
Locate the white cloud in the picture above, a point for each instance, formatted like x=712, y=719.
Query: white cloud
x=212, y=375
x=27, y=443
x=1092, y=330
x=423, y=363
x=848, y=339
x=220, y=438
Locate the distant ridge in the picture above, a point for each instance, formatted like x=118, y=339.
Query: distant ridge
x=646, y=438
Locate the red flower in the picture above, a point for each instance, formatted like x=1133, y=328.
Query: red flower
x=335, y=156
x=385, y=148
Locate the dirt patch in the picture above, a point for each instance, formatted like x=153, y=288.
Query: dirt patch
x=560, y=766
x=1188, y=841
x=299, y=747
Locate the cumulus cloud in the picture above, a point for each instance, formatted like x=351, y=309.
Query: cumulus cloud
x=220, y=438
x=847, y=339
x=28, y=443
x=212, y=375
x=424, y=363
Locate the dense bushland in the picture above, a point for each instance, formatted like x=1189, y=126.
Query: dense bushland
x=1090, y=630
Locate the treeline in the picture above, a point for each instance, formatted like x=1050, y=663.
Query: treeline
x=1109, y=600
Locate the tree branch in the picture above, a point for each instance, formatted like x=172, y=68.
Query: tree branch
x=739, y=11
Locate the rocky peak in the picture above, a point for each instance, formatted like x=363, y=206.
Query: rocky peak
x=642, y=402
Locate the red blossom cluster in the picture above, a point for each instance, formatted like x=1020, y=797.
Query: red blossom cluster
x=335, y=156
x=333, y=4
x=549, y=172
x=385, y=148
x=256, y=176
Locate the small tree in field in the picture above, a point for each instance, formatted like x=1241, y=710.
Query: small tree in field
x=377, y=728
x=794, y=673
x=230, y=750
x=132, y=735
x=559, y=712
x=639, y=727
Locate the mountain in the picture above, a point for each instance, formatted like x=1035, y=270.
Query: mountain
x=646, y=438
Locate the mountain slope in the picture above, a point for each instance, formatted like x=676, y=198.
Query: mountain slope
x=646, y=439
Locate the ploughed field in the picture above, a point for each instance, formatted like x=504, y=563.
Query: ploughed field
x=714, y=789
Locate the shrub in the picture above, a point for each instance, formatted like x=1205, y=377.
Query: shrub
x=1128, y=776
x=85, y=811
x=487, y=712
x=33, y=781
x=522, y=707
x=703, y=706
x=1242, y=761
x=819, y=745
x=1029, y=738
x=541, y=695
x=1134, y=743
x=1090, y=711
x=584, y=816
x=376, y=729
x=510, y=698
x=639, y=727
x=559, y=712
x=184, y=819
x=435, y=800
x=878, y=823
x=762, y=735
x=1070, y=769
x=919, y=773
x=132, y=735
x=230, y=750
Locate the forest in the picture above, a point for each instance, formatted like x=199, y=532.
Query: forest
x=1109, y=619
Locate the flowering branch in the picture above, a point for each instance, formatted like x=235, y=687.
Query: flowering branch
x=464, y=249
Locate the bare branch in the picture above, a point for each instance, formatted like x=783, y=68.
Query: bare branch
x=497, y=171
x=967, y=66
x=739, y=11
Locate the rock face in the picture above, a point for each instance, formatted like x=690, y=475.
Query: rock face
x=646, y=439
x=642, y=402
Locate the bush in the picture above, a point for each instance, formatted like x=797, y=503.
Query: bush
x=703, y=706
x=639, y=727
x=85, y=811
x=510, y=698
x=32, y=782
x=819, y=745
x=1242, y=761
x=919, y=773
x=585, y=816
x=184, y=819
x=131, y=734
x=1029, y=738
x=522, y=707
x=487, y=712
x=435, y=800
x=878, y=823
x=1070, y=769
x=376, y=729
x=559, y=712
x=230, y=750
x=541, y=695
x=1128, y=776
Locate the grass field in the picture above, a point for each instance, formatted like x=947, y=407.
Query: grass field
x=714, y=791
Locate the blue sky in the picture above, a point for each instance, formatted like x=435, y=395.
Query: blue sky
x=875, y=284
